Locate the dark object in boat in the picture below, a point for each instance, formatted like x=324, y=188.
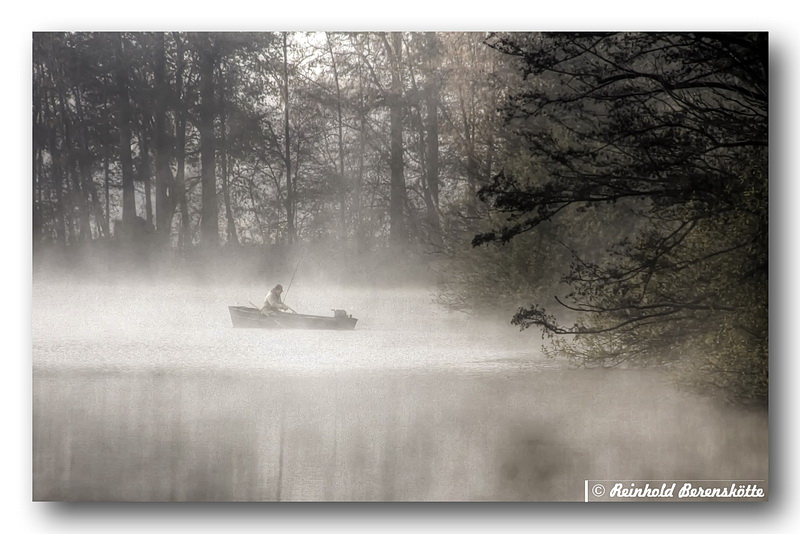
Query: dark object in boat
x=248, y=317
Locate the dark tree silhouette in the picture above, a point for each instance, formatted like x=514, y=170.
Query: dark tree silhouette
x=208, y=55
x=125, y=119
x=671, y=129
x=398, y=232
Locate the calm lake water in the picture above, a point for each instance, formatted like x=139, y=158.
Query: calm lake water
x=146, y=393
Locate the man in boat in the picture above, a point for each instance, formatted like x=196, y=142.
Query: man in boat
x=273, y=303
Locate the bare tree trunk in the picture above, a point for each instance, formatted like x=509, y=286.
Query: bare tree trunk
x=432, y=142
x=144, y=171
x=398, y=234
x=57, y=177
x=341, y=185
x=74, y=195
x=38, y=175
x=107, y=172
x=126, y=160
x=87, y=191
x=39, y=126
x=83, y=176
x=472, y=164
x=87, y=181
x=164, y=180
x=209, y=214
x=290, y=201
x=184, y=239
x=232, y=237
x=106, y=193
x=264, y=234
x=359, y=201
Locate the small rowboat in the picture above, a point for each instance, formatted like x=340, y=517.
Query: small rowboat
x=248, y=317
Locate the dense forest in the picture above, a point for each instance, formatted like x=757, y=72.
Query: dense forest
x=181, y=143
x=611, y=189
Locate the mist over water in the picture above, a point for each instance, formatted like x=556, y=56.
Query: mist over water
x=188, y=327
x=145, y=392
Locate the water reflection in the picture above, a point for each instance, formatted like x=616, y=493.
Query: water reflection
x=154, y=436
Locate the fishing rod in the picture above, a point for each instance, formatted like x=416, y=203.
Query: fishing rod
x=292, y=280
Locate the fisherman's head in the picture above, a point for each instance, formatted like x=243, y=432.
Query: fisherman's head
x=278, y=289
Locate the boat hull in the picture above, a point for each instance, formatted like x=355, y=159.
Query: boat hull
x=247, y=317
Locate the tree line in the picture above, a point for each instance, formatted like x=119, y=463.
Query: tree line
x=203, y=139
